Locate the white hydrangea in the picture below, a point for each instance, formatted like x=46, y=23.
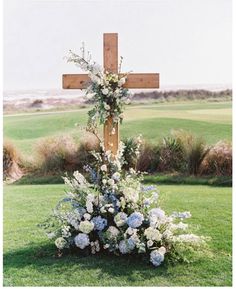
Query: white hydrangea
x=81, y=240
x=87, y=216
x=152, y=234
x=120, y=219
x=60, y=243
x=113, y=232
x=86, y=227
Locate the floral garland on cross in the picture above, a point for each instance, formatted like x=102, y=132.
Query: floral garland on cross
x=109, y=209
x=105, y=89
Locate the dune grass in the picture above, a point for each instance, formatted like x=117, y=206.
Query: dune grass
x=29, y=257
x=209, y=120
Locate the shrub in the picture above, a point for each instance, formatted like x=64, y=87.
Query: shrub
x=194, y=148
x=11, y=160
x=131, y=152
x=218, y=161
x=171, y=155
x=63, y=153
x=149, y=158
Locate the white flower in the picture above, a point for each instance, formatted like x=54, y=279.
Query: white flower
x=60, y=243
x=107, y=106
x=152, y=234
x=104, y=168
x=179, y=226
x=111, y=182
x=149, y=243
x=131, y=195
x=105, y=91
x=188, y=238
x=111, y=210
x=66, y=231
x=81, y=240
x=113, y=232
x=86, y=227
x=131, y=231
x=116, y=176
x=120, y=219
x=87, y=216
x=89, y=206
x=104, y=181
x=121, y=81
x=106, y=246
x=79, y=177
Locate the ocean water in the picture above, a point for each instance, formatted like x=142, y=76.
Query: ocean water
x=10, y=95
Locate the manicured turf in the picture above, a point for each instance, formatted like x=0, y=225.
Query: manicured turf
x=209, y=120
x=29, y=257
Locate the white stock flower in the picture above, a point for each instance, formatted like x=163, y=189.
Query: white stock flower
x=79, y=177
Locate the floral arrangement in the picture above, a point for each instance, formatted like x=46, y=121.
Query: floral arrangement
x=109, y=209
x=105, y=88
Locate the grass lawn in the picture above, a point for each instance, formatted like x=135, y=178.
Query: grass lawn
x=29, y=256
x=212, y=121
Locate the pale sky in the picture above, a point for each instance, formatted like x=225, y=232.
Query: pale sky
x=187, y=41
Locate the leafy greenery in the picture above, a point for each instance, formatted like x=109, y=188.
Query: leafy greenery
x=29, y=258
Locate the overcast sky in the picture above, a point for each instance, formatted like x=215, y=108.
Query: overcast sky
x=187, y=41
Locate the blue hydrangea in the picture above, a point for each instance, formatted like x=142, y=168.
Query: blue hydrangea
x=99, y=223
x=81, y=240
x=157, y=257
x=135, y=220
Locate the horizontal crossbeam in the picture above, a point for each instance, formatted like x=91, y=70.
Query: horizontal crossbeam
x=134, y=80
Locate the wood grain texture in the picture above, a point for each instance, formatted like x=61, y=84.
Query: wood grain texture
x=75, y=81
x=142, y=80
x=110, y=52
x=111, y=141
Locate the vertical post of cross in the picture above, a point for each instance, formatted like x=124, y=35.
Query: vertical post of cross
x=110, y=59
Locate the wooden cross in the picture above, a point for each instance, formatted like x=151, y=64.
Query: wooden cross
x=110, y=62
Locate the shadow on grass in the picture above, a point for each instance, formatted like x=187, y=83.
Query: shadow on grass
x=44, y=258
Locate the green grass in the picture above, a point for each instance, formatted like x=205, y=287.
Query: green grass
x=209, y=120
x=29, y=257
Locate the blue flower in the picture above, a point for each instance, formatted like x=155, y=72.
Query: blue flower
x=99, y=223
x=135, y=220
